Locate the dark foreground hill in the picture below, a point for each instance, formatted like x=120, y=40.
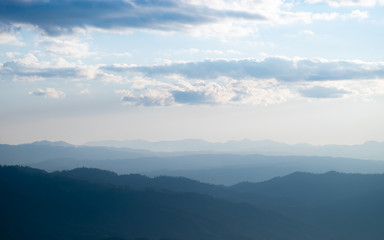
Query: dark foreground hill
x=349, y=206
x=38, y=205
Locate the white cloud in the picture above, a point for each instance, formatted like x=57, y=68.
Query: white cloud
x=261, y=92
x=30, y=68
x=66, y=48
x=85, y=91
x=326, y=16
x=9, y=38
x=271, y=80
x=48, y=93
x=280, y=68
x=359, y=14
x=224, y=91
x=364, y=90
x=124, y=92
x=150, y=97
x=347, y=3
x=308, y=32
x=225, y=29
x=12, y=54
x=123, y=54
x=106, y=77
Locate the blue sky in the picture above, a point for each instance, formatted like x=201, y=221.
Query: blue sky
x=291, y=71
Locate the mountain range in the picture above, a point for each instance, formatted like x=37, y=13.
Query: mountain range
x=89, y=203
x=368, y=151
x=38, y=205
x=212, y=167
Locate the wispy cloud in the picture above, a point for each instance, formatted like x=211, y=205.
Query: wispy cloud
x=30, y=68
x=233, y=92
x=151, y=97
x=282, y=69
x=348, y=3
x=271, y=80
x=65, y=48
x=48, y=93
x=323, y=92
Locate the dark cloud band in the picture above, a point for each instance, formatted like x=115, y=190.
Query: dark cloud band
x=58, y=17
x=323, y=92
x=282, y=69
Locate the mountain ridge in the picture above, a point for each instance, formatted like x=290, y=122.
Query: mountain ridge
x=66, y=208
x=370, y=150
x=218, y=168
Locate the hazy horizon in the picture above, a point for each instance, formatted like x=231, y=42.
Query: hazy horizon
x=186, y=139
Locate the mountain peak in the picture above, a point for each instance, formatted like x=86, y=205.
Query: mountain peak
x=54, y=144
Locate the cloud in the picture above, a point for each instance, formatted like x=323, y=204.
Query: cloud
x=347, y=3
x=149, y=98
x=308, y=17
x=282, y=69
x=12, y=54
x=199, y=18
x=66, y=48
x=323, y=92
x=85, y=91
x=271, y=80
x=64, y=17
x=326, y=16
x=190, y=97
x=225, y=92
x=48, y=93
x=9, y=38
x=359, y=14
x=30, y=68
x=8, y=34
x=123, y=54
x=308, y=32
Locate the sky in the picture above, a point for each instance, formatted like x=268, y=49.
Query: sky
x=291, y=71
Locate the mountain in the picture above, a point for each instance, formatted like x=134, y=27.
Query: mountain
x=48, y=143
x=316, y=189
x=332, y=205
x=44, y=150
x=216, y=168
x=230, y=169
x=369, y=151
x=141, y=182
x=39, y=205
x=347, y=206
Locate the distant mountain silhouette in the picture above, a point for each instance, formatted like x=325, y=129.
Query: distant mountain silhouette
x=216, y=168
x=38, y=205
x=369, y=151
x=229, y=169
x=49, y=143
x=42, y=151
